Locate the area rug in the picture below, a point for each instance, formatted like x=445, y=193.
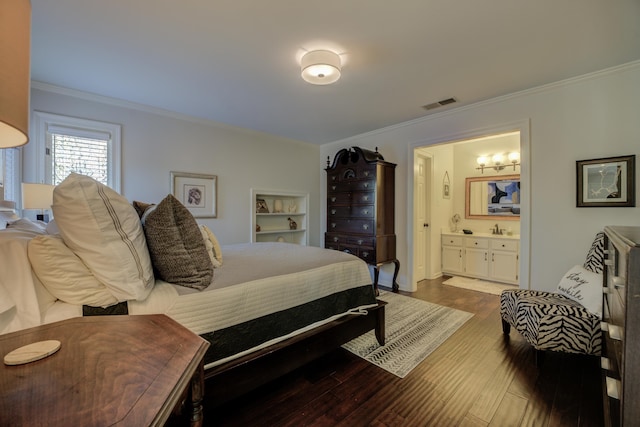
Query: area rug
x=414, y=329
x=478, y=285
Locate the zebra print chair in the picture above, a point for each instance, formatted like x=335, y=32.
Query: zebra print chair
x=552, y=321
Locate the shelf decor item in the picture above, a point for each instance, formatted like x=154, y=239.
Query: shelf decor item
x=606, y=182
x=197, y=192
x=277, y=206
x=261, y=206
x=455, y=220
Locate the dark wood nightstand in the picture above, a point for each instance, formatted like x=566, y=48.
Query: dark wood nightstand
x=110, y=370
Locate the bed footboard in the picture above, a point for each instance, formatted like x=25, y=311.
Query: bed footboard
x=239, y=376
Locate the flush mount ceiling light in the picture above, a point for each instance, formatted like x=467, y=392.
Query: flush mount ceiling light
x=320, y=67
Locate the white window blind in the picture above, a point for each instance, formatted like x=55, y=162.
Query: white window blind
x=11, y=181
x=86, y=156
x=70, y=144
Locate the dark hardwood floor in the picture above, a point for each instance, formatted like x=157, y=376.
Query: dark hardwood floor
x=476, y=378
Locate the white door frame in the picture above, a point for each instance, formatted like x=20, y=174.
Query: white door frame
x=522, y=126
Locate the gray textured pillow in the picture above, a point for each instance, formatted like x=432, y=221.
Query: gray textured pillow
x=178, y=252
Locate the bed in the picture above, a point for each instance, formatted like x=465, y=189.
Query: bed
x=267, y=309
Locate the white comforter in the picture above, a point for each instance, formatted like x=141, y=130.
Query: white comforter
x=23, y=299
x=266, y=278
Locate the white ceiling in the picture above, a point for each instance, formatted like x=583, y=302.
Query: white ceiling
x=237, y=61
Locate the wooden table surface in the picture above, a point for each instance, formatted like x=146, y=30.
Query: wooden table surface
x=110, y=370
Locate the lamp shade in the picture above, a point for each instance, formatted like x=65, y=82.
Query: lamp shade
x=320, y=67
x=15, y=36
x=37, y=196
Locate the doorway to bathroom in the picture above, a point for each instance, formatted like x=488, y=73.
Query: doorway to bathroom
x=437, y=183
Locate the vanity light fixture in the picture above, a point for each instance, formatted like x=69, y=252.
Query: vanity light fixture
x=498, y=162
x=320, y=67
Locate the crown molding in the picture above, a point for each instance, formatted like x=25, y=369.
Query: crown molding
x=629, y=66
x=121, y=103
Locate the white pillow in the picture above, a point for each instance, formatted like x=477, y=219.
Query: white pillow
x=26, y=224
x=65, y=275
x=104, y=231
x=52, y=227
x=584, y=287
x=213, y=247
x=6, y=302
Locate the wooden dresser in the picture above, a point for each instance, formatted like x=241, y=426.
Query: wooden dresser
x=621, y=327
x=360, y=208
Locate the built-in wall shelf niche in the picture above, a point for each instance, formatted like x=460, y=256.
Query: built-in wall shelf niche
x=273, y=215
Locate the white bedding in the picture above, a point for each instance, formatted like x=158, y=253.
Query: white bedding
x=24, y=297
x=255, y=280
x=297, y=275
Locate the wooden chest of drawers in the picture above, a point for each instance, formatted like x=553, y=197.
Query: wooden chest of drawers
x=621, y=326
x=360, y=207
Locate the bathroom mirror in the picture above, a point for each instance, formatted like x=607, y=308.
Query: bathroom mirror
x=488, y=197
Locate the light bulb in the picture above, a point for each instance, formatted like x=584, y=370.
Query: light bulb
x=498, y=159
x=514, y=157
x=482, y=160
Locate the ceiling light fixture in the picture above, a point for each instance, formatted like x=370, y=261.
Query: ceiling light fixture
x=15, y=34
x=320, y=67
x=498, y=162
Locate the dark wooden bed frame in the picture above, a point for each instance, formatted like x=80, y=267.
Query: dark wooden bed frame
x=237, y=377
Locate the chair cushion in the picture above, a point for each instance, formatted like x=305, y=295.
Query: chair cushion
x=550, y=321
x=595, y=256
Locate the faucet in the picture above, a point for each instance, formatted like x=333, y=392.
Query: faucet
x=496, y=230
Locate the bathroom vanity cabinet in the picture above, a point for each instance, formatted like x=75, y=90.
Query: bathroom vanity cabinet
x=482, y=256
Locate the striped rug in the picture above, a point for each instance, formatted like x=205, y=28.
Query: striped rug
x=414, y=329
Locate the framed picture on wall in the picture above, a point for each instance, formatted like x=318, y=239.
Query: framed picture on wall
x=197, y=192
x=606, y=182
x=446, y=186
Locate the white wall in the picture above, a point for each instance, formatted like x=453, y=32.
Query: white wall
x=154, y=143
x=588, y=117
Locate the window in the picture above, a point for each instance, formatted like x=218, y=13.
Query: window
x=68, y=144
x=9, y=174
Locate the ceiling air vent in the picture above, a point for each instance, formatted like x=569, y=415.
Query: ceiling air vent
x=439, y=103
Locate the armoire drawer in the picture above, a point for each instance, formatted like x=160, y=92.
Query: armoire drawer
x=360, y=226
x=363, y=197
x=339, y=199
x=362, y=241
x=355, y=211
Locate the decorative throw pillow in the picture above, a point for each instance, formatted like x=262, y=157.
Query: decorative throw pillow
x=177, y=249
x=584, y=287
x=64, y=274
x=595, y=256
x=104, y=231
x=213, y=247
x=141, y=207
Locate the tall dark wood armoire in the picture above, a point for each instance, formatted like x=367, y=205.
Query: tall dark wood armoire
x=360, y=208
